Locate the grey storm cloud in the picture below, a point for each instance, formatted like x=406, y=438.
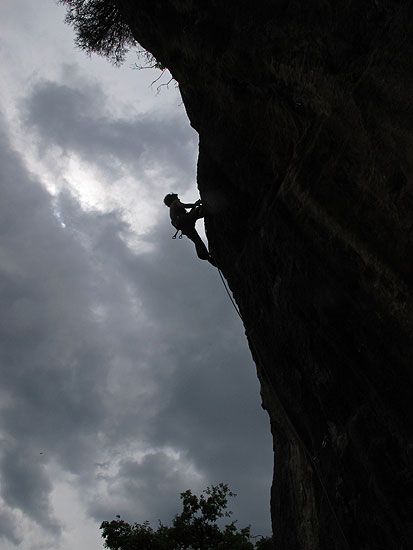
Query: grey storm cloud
x=26, y=486
x=9, y=527
x=102, y=348
x=49, y=345
x=157, y=479
x=77, y=121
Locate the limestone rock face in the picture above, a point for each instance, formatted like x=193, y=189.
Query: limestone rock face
x=305, y=117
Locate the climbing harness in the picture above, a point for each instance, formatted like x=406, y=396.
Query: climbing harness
x=311, y=458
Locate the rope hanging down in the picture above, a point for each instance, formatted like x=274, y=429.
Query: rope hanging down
x=229, y=294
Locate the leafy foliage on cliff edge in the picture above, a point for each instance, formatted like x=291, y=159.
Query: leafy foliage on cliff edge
x=99, y=28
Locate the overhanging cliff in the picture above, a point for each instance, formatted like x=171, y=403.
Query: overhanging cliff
x=305, y=120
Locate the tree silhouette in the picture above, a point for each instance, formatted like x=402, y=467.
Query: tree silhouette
x=195, y=528
x=99, y=28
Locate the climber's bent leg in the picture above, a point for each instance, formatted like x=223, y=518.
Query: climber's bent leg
x=200, y=247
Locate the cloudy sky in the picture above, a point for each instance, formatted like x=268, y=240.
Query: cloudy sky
x=125, y=376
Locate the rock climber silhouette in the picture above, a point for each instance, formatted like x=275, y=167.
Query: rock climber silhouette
x=185, y=222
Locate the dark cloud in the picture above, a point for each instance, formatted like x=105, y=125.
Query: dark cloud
x=78, y=121
x=26, y=486
x=150, y=485
x=50, y=349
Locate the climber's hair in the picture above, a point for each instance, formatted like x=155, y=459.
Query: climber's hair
x=169, y=199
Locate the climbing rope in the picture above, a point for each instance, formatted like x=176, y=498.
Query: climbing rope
x=229, y=294
x=312, y=458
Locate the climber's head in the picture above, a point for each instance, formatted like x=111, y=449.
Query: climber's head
x=169, y=199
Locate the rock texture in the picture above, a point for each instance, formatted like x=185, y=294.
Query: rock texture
x=305, y=118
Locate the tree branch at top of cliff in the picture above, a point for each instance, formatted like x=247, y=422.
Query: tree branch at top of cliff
x=100, y=29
